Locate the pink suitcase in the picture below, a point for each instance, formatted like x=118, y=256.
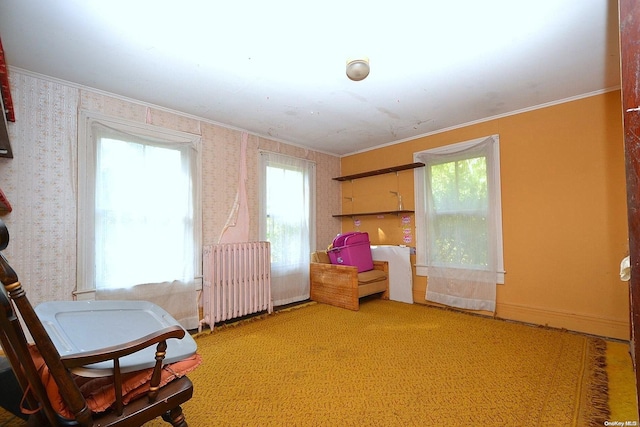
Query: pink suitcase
x=352, y=248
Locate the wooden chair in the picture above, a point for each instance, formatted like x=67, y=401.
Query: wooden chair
x=158, y=401
x=342, y=285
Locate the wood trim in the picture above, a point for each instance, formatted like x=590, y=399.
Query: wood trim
x=379, y=171
x=605, y=327
x=630, y=79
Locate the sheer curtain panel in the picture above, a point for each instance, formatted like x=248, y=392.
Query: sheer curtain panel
x=287, y=220
x=460, y=230
x=141, y=218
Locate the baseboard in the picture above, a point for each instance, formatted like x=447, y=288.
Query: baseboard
x=604, y=327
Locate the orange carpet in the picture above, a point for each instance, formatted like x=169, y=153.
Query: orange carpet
x=395, y=364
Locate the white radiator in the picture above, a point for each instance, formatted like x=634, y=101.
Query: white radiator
x=236, y=281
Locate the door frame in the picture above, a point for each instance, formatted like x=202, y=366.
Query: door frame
x=629, y=11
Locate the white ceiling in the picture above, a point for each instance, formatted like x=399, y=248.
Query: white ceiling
x=277, y=68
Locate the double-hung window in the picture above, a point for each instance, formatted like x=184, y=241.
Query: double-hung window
x=287, y=220
x=459, y=223
x=139, y=216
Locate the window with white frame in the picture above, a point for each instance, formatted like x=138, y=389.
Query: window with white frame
x=287, y=220
x=459, y=222
x=139, y=217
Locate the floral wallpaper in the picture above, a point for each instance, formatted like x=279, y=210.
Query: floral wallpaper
x=41, y=180
x=40, y=183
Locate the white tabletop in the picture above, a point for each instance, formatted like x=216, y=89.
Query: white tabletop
x=79, y=326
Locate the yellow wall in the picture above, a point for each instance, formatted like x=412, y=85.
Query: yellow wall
x=563, y=206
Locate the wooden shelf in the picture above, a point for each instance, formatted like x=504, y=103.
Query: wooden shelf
x=372, y=213
x=374, y=173
x=379, y=171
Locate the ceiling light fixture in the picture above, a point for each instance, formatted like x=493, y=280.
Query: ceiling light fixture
x=358, y=69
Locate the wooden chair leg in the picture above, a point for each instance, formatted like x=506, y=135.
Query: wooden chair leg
x=175, y=417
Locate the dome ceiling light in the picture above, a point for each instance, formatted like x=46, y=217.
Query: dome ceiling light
x=358, y=69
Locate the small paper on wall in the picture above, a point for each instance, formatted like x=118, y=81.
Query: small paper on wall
x=407, y=236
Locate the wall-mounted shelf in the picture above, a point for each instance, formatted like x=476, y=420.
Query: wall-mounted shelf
x=379, y=172
x=374, y=173
x=372, y=213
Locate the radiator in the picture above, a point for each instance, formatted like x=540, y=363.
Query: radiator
x=236, y=281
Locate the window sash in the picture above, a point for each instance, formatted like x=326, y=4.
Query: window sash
x=487, y=147
x=132, y=205
x=284, y=214
x=291, y=253
x=93, y=128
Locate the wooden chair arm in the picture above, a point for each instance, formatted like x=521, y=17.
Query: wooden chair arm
x=341, y=276
x=114, y=353
x=339, y=267
x=119, y=351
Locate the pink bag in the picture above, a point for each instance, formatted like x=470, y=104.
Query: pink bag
x=352, y=248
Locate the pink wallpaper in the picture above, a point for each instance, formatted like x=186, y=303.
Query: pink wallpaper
x=40, y=183
x=41, y=180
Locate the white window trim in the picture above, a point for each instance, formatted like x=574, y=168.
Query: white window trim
x=85, y=286
x=263, y=163
x=420, y=202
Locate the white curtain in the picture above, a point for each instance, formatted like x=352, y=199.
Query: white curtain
x=178, y=298
x=144, y=222
x=287, y=220
x=461, y=223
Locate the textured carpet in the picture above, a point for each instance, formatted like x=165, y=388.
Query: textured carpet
x=395, y=364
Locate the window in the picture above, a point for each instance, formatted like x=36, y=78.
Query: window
x=459, y=198
x=285, y=208
x=139, y=219
x=287, y=220
x=459, y=223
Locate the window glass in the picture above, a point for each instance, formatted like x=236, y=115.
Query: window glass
x=458, y=207
x=459, y=195
x=138, y=196
x=143, y=217
x=285, y=208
